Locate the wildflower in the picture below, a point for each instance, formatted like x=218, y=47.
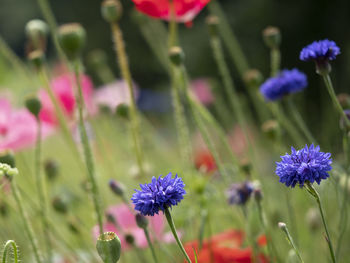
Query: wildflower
x=285, y=83
x=302, y=166
x=239, y=194
x=204, y=161
x=225, y=247
x=160, y=194
x=322, y=50
x=185, y=10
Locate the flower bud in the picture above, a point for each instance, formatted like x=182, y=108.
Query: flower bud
x=176, y=55
x=212, y=22
x=271, y=129
x=71, y=38
x=33, y=105
x=253, y=78
x=111, y=10
x=116, y=187
x=36, y=31
x=123, y=111
x=272, y=37
x=258, y=195
x=51, y=169
x=323, y=67
x=130, y=239
x=7, y=157
x=108, y=247
x=282, y=225
x=59, y=205
x=36, y=58
x=141, y=221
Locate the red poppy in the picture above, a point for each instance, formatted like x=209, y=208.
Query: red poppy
x=204, y=161
x=225, y=247
x=185, y=10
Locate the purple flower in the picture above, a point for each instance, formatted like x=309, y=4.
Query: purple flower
x=160, y=194
x=239, y=194
x=305, y=165
x=286, y=82
x=323, y=50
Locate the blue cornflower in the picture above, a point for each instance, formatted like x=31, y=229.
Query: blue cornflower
x=305, y=165
x=160, y=194
x=320, y=51
x=286, y=82
x=239, y=194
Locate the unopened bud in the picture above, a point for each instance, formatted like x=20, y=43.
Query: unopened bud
x=33, y=105
x=108, y=247
x=141, y=221
x=116, y=187
x=36, y=58
x=36, y=31
x=51, y=168
x=272, y=37
x=282, y=225
x=253, y=78
x=258, y=195
x=8, y=157
x=60, y=205
x=212, y=22
x=176, y=55
x=72, y=39
x=130, y=239
x=111, y=10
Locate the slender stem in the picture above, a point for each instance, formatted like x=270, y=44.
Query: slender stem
x=249, y=237
x=173, y=230
x=87, y=151
x=328, y=82
x=173, y=35
x=150, y=245
x=315, y=194
x=275, y=54
x=299, y=120
x=291, y=242
x=125, y=71
x=40, y=184
x=15, y=251
x=25, y=221
x=292, y=218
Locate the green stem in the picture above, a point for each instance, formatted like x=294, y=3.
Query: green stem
x=125, y=71
x=173, y=35
x=328, y=82
x=25, y=221
x=299, y=120
x=173, y=230
x=6, y=249
x=291, y=242
x=275, y=54
x=316, y=195
x=40, y=184
x=87, y=150
x=150, y=245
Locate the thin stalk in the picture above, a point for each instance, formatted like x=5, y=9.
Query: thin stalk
x=275, y=54
x=230, y=39
x=40, y=185
x=150, y=245
x=292, y=218
x=248, y=232
x=291, y=242
x=328, y=82
x=125, y=71
x=87, y=151
x=173, y=230
x=173, y=34
x=7, y=246
x=299, y=120
x=316, y=195
x=25, y=221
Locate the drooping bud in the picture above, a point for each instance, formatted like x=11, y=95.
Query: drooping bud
x=108, y=247
x=36, y=31
x=36, y=58
x=272, y=37
x=141, y=221
x=33, y=105
x=253, y=78
x=8, y=157
x=111, y=10
x=72, y=39
x=51, y=168
x=213, y=22
x=60, y=205
x=123, y=111
x=176, y=55
x=116, y=187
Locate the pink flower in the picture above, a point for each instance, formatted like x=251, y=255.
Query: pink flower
x=64, y=89
x=202, y=91
x=18, y=128
x=127, y=225
x=114, y=94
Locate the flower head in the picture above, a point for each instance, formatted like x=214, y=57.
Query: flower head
x=286, y=82
x=305, y=165
x=185, y=10
x=323, y=50
x=239, y=194
x=160, y=194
